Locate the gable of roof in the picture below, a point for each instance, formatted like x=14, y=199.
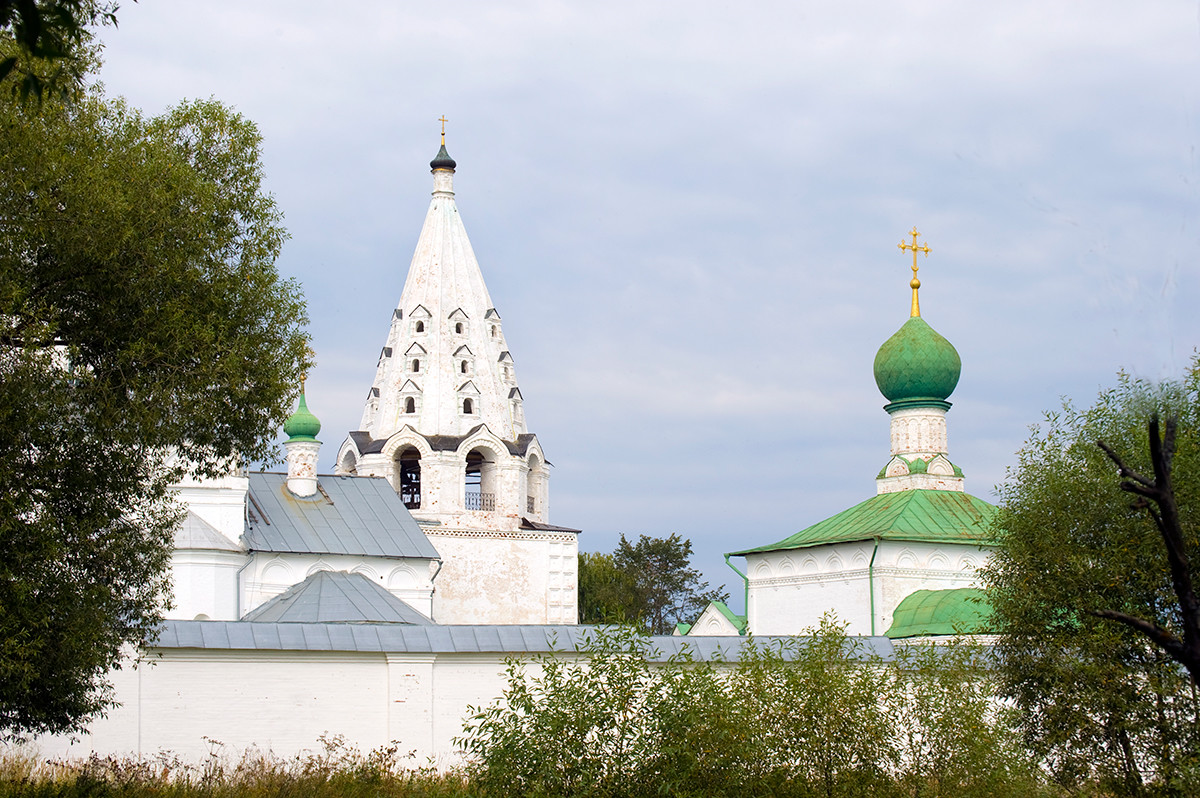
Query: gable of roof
x=196, y=533
x=347, y=515
x=336, y=597
x=929, y=516
x=924, y=613
x=717, y=611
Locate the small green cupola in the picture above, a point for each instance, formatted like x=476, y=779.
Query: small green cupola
x=302, y=425
x=916, y=367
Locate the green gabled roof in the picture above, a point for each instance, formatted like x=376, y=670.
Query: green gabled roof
x=738, y=621
x=928, y=516
x=963, y=610
x=682, y=628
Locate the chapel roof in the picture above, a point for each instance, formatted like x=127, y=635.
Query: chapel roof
x=929, y=516
x=347, y=515
x=925, y=613
x=336, y=597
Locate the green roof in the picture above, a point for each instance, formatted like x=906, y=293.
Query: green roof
x=738, y=621
x=928, y=516
x=963, y=610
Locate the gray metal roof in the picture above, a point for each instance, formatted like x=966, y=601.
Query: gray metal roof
x=347, y=515
x=336, y=596
x=490, y=639
x=196, y=533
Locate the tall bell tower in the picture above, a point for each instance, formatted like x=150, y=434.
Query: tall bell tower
x=444, y=422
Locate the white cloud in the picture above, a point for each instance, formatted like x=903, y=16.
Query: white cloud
x=688, y=215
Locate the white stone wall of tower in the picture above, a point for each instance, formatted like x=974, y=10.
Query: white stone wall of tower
x=919, y=430
x=445, y=295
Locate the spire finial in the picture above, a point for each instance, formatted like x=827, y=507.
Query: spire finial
x=443, y=120
x=915, y=283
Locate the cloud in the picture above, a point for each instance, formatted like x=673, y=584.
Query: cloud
x=688, y=213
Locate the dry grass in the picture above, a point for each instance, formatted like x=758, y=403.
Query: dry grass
x=338, y=771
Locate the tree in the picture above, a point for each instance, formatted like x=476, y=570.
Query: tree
x=650, y=583
x=143, y=327
x=1077, y=562
x=47, y=47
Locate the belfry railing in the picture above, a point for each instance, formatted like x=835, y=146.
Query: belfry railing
x=480, y=501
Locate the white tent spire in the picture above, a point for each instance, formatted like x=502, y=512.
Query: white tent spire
x=445, y=368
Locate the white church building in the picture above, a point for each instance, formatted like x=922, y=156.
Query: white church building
x=380, y=602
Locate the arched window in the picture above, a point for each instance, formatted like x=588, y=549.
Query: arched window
x=464, y=367
x=468, y=406
x=408, y=484
x=410, y=405
x=493, y=330
x=416, y=365
x=458, y=328
x=420, y=326
x=480, y=482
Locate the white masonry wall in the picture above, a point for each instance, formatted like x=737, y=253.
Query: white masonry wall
x=283, y=702
x=522, y=577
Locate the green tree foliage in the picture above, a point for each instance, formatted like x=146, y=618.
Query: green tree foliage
x=821, y=716
x=649, y=583
x=141, y=321
x=46, y=44
x=1097, y=698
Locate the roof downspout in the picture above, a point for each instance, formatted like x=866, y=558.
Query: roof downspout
x=871, y=581
x=432, y=587
x=237, y=579
x=746, y=582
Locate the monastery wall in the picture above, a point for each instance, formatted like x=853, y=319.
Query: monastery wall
x=284, y=702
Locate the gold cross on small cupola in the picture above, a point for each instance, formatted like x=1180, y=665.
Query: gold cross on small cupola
x=443, y=120
x=914, y=248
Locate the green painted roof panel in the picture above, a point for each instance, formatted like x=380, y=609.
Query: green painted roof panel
x=930, y=516
x=962, y=610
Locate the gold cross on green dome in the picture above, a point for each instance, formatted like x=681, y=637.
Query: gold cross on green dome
x=915, y=283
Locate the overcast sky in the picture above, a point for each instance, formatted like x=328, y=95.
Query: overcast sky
x=687, y=214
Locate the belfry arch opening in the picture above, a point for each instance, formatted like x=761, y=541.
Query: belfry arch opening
x=535, y=497
x=408, y=477
x=480, y=482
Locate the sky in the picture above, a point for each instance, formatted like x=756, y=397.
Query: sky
x=688, y=214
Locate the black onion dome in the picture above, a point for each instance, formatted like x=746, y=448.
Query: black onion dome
x=442, y=160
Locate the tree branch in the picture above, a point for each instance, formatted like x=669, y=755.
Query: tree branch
x=1158, y=500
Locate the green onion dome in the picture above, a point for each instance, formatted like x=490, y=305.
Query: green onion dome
x=302, y=425
x=916, y=367
x=442, y=160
